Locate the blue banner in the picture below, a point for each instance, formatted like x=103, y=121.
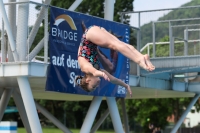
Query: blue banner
x=64, y=39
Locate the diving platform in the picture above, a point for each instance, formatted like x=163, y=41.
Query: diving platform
x=25, y=79
x=163, y=86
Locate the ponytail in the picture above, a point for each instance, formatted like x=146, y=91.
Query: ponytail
x=78, y=78
x=81, y=81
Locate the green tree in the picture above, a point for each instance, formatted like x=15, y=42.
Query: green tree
x=96, y=7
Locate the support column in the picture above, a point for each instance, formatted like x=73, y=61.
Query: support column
x=109, y=10
x=20, y=106
x=12, y=21
x=101, y=120
x=22, y=29
x=46, y=35
x=52, y=118
x=91, y=114
x=180, y=121
x=114, y=113
x=125, y=117
x=4, y=101
x=4, y=40
x=29, y=104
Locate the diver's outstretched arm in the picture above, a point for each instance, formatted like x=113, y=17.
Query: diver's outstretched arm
x=117, y=81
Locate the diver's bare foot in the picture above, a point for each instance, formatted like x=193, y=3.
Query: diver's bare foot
x=142, y=63
x=148, y=63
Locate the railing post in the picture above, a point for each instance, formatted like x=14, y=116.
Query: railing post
x=171, y=39
x=154, y=44
x=186, y=41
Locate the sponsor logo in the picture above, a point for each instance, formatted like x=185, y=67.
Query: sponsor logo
x=66, y=18
x=121, y=90
x=69, y=34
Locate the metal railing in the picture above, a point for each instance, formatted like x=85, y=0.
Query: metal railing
x=24, y=34
x=169, y=25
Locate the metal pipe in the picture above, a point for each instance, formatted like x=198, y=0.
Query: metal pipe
x=12, y=20
x=186, y=42
x=114, y=113
x=193, y=29
x=186, y=7
x=125, y=117
x=154, y=45
x=75, y=5
x=29, y=104
x=9, y=32
x=36, y=50
x=109, y=9
x=181, y=119
x=174, y=20
x=20, y=106
x=185, y=25
x=170, y=40
x=22, y=30
x=4, y=101
x=138, y=42
x=46, y=35
x=91, y=113
x=180, y=39
x=14, y=3
x=4, y=48
x=101, y=120
x=52, y=118
x=121, y=18
x=162, y=43
x=3, y=43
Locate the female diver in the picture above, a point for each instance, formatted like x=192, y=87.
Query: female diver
x=88, y=57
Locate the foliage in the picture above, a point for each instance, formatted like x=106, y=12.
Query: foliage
x=96, y=8
x=156, y=111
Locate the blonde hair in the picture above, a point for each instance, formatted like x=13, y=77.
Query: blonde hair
x=82, y=82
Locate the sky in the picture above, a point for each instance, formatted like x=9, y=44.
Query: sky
x=142, y=5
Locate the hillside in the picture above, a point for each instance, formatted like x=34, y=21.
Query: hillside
x=162, y=29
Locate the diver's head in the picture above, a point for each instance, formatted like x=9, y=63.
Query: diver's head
x=88, y=82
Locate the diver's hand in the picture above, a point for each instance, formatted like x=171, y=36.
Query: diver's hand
x=101, y=74
x=105, y=76
x=129, y=90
